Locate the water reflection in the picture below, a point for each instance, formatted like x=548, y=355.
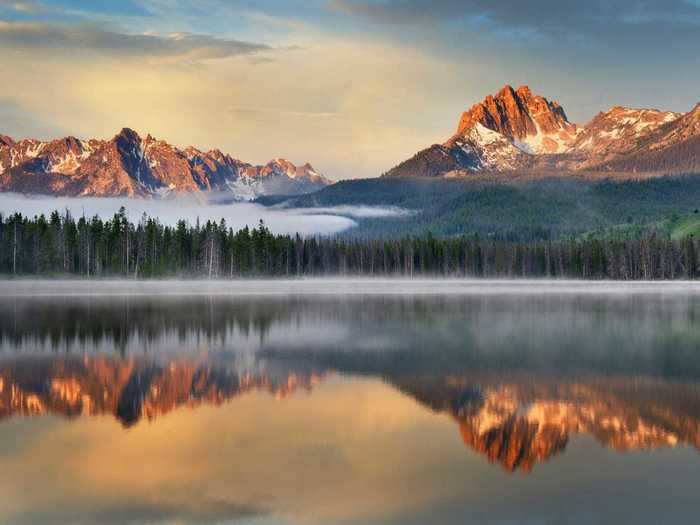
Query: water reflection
x=649, y=335
x=285, y=399
x=513, y=419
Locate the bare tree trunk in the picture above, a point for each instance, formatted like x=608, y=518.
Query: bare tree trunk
x=14, y=251
x=211, y=255
x=127, y=250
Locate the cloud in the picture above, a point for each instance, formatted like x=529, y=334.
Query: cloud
x=237, y=215
x=280, y=220
x=542, y=15
x=272, y=114
x=78, y=9
x=399, y=12
x=35, y=36
x=358, y=212
x=22, y=6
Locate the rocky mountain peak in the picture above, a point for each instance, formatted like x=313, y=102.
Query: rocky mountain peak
x=6, y=141
x=524, y=91
x=128, y=136
x=516, y=130
x=531, y=122
x=694, y=114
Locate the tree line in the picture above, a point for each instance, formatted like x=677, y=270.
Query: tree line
x=61, y=245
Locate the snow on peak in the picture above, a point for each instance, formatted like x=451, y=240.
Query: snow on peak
x=485, y=136
x=547, y=143
x=492, y=150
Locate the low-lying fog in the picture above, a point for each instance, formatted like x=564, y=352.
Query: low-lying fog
x=281, y=220
x=346, y=286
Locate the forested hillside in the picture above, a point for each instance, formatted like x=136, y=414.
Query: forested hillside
x=60, y=245
x=518, y=208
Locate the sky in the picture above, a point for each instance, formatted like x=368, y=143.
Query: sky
x=352, y=86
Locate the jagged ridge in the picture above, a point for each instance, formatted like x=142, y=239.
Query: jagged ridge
x=128, y=165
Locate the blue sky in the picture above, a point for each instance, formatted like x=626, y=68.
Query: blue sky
x=353, y=86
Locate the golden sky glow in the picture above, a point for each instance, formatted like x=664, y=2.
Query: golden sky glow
x=353, y=86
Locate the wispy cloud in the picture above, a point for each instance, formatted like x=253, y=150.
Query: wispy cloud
x=358, y=212
x=23, y=6
x=90, y=38
x=260, y=113
x=75, y=9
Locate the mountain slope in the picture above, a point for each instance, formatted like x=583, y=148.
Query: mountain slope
x=128, y=165
x=671, y=147
x=516, y=130
x=617, y=130
x=513, y=207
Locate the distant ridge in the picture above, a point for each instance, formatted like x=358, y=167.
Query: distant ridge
x=129, y=165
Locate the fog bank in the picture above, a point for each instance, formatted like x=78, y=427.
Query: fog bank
x=307, y=221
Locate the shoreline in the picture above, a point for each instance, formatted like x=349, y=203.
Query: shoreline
x=364, y=286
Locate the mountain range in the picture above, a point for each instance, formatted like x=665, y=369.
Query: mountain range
x=516, y=130
x=513, y=131
x=129, y=165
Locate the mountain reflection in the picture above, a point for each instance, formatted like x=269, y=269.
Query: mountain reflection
x=517, y=421
x=519, y=375
x=364, y=409
x=131, y=389
x=513, y=419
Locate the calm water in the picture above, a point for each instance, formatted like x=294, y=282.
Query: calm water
x=349, y=403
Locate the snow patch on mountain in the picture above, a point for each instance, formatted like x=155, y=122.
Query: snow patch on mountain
x=541, y=143
x=492, y=150
x=245, y=188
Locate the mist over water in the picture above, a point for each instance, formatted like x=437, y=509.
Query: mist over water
x=363, y=286
x=280, y=220
x=530, y=324
x=349, y=401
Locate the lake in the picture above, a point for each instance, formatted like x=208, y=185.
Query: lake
x=349, y=402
